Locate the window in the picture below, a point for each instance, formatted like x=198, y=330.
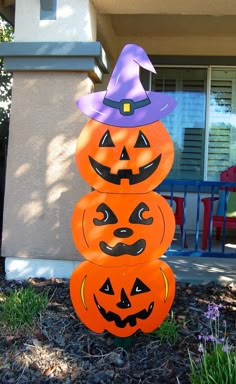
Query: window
x=203, y=125
x=186, y=124
x=48, y=9
x=222, y=121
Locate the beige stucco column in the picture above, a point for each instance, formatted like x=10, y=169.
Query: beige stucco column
x=42, y=182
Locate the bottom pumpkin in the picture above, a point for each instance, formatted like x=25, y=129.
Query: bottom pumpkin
x=122, y=300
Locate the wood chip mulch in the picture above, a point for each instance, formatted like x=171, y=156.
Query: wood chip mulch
x=58, y=348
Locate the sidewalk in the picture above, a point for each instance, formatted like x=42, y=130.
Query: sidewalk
x=196, y=270
x=202, y=270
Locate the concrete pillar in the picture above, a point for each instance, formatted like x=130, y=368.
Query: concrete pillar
x=54, y=62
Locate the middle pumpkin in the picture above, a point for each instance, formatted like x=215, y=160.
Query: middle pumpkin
x=122, y=229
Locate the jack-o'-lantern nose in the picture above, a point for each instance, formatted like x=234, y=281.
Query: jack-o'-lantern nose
x=124, y=301
x=124, y=154
x=123, y=232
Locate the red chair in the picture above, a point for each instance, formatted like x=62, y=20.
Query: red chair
x=229, y=175
x=178, y=213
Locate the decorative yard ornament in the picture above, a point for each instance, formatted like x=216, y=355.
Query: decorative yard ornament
x=125, y=103
x=124, y=160
x=122, y=300
x=122, y=229
x=123, y=152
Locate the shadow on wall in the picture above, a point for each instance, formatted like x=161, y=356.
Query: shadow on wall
x=41, y=195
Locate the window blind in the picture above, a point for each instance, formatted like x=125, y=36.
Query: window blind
x=192, y=157
x=220, y=126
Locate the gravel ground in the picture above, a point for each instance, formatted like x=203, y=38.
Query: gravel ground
x=58, y=348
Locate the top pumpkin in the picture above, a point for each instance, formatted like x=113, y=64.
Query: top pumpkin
x=124, y=160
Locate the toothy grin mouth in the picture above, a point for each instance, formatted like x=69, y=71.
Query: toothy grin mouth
x=120, y=249
x=144, y=172
x=131, y=319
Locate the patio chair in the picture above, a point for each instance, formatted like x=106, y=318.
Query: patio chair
x=178, y=213
x=229, y=175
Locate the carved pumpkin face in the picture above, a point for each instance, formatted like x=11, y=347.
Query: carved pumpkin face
x=124, y=160
x=125, y=229
x=122, y=300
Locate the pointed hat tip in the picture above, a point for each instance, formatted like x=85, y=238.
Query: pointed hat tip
x=138, y=55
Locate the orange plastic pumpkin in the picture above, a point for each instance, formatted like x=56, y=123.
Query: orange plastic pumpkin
x=124, y=160
x=122, y=300
x=122, y=229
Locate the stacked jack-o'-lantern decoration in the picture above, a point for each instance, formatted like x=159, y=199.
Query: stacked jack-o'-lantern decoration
x=122, y=227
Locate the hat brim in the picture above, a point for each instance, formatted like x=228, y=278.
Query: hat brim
x=92, y=105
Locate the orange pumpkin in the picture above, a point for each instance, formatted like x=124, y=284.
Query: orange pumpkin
x=122, y=300
x=122, y=229
x=124, y=160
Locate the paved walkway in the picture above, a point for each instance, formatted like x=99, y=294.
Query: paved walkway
x=203, y=269
x=197, y=270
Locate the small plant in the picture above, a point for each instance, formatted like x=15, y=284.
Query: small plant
x=19, y=309
x=168, y=331
x=217, y=361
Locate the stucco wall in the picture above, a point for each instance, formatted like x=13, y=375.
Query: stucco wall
x=43, y=183
x=75, y=21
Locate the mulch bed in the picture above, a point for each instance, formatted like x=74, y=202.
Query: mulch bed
x=60, y=349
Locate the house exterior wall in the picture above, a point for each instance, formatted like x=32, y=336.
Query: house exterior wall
x=75, y=21
x=43, y=184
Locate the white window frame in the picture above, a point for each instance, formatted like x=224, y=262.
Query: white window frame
x=209, y=69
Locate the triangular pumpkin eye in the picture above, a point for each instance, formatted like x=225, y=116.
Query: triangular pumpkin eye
x=139, y=287
x=142, y=141
x=107, y=288
x=106, y=140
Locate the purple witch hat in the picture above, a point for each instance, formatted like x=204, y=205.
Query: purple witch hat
x=125, y=103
